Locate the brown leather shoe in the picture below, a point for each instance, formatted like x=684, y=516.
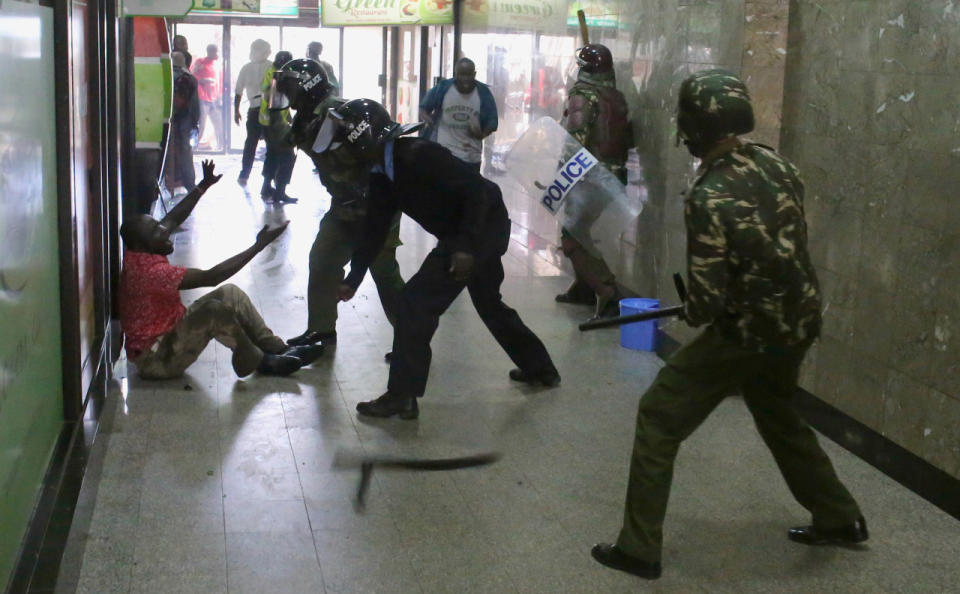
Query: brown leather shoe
x=611, y=556
x=850, y=534
x=388, y=405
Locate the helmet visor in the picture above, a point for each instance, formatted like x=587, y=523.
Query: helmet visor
x=278, y=99
x=580, y=61
x=331, y=134
x=287, y=83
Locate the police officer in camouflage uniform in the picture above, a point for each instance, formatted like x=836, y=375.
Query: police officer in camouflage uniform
x=596, y=116
x=304, y=83
x=752, y=284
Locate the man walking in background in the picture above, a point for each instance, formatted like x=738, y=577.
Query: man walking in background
x=460, y=112
x=314, y=49
x=249, y=81
x=209, y=85
x=178, y=169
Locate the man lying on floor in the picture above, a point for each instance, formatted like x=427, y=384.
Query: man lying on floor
x=163, y=337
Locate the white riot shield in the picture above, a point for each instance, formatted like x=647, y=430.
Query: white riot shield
x=563, y=177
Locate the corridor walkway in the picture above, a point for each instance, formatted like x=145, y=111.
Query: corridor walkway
x=212, y=484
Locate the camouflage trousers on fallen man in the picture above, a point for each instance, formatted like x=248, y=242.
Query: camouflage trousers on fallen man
x=225, y=315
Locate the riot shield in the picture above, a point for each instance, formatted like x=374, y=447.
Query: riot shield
x=564, y=178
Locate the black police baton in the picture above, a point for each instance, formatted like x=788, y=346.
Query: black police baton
x=346, y=459
x=642, y=317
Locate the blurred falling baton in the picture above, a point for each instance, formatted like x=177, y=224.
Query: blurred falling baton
x=642, y=317
x=583, y=27
x=345, y=459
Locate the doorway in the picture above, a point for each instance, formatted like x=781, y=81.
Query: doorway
x=233, y=41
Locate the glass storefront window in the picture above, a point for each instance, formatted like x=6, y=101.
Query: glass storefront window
x=296, y=39
x=362, y=52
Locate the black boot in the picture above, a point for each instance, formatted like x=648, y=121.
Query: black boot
x=849, y=534
x=579, y=293
x=389, y=405
x=280, y=195
x=266, y=192
x=307, y=353
x=611, y=556
x=548, y=377
x=313, y=336
x=278, y=365
x=607, y=307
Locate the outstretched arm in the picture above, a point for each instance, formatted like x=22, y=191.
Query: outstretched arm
x=195, y=277
x=179, y=213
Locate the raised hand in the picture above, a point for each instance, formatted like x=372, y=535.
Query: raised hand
x=266, y=235
x=208, y=176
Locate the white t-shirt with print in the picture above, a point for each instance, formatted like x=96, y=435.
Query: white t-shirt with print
x=460, y=113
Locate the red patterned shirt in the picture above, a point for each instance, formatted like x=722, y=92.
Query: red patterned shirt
x=149, y=299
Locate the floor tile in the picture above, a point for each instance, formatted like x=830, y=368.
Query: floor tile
x=212, y=483
x=273, y=563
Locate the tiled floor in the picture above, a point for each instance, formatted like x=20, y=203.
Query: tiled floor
x=213, y=484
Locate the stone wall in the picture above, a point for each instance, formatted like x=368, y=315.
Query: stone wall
x=864, y=95
x=872, y=118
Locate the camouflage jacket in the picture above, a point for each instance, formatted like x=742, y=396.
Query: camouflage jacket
x=749, y=271
x=582, y=115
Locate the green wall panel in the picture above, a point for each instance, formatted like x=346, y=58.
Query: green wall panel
x=31, y=399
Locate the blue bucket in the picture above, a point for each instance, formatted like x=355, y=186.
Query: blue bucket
x=639, y=336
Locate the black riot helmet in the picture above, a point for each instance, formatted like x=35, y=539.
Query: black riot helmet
x=304, y=82
x=282, y=57
x=360, y=126
x=595, y=58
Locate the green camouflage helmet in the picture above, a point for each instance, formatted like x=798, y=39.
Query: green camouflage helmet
x=713, y=105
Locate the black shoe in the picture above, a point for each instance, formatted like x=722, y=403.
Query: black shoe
x=576, y=299
x=307, y=353
x=284, y=199
x=849, y=534
x=278, y=364
x=611, y=556
x=242, y=180
x=388, y=357
x=607, y=307
x=312, y=337
x=579, y=293
x=548, y=378
x=389, y=405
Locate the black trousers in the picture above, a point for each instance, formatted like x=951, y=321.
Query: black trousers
x=278, y=166
x=254, y=134
x=431, y=291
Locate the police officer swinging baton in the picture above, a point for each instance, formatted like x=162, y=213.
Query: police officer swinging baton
x=647, y=315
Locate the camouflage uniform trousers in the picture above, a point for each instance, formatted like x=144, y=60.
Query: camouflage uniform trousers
x=224, y=314
x=691, y=384
x=332, y=249
x=588, y=265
